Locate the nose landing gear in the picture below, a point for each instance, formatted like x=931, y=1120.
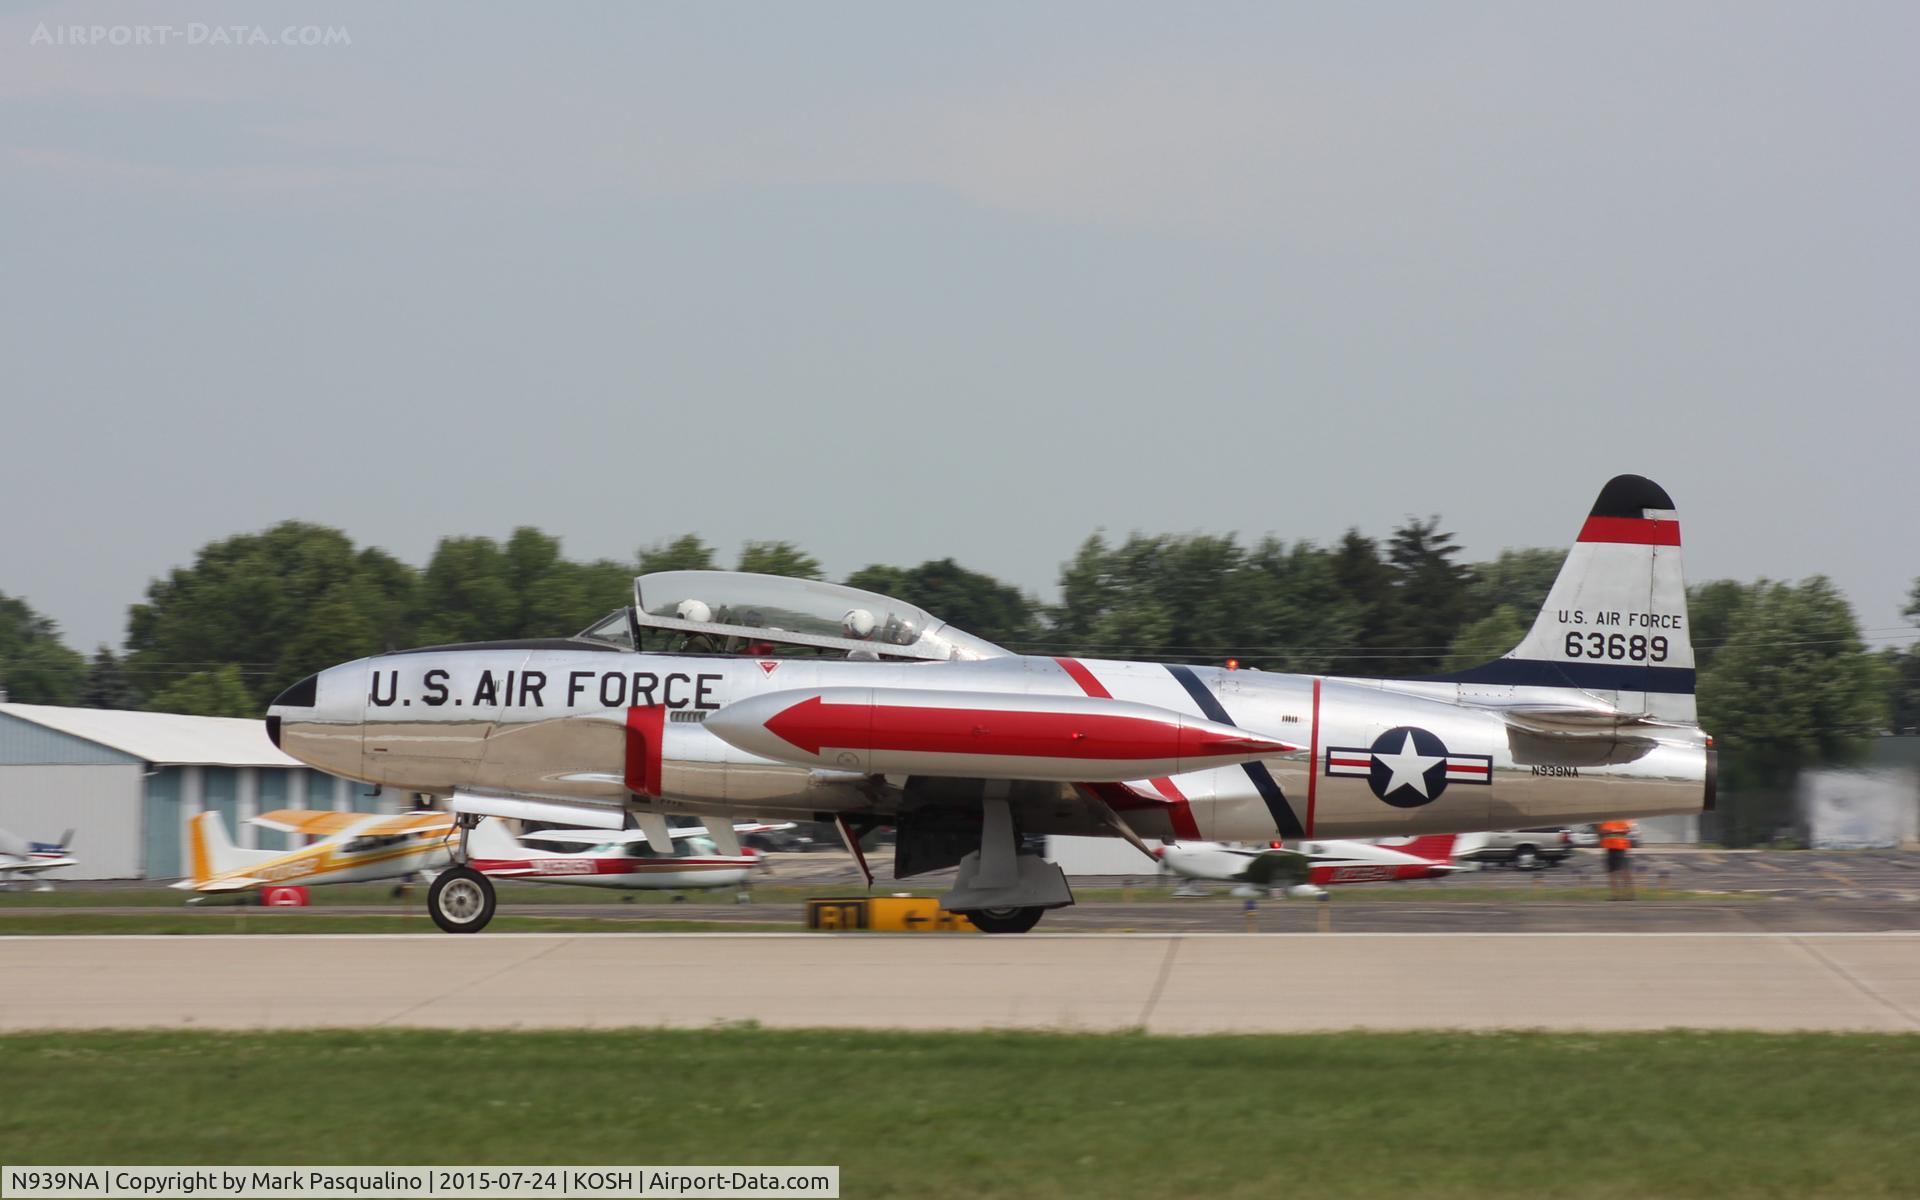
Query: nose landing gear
x=461, y=899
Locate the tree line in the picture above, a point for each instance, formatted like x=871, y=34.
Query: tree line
x=1786, y=679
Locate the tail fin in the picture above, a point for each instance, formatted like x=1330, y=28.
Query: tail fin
x=1615, y=624
x=211, y=853
x=1435, y=847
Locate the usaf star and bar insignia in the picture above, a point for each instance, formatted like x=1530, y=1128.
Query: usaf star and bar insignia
x=1408, y=766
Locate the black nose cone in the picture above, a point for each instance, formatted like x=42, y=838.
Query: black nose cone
x=300, y=695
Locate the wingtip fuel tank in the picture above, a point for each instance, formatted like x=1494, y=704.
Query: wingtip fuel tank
x=887, y=731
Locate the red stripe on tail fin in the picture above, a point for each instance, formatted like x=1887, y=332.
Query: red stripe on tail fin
x=1436, y=847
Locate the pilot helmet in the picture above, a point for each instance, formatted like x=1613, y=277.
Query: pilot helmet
x=694, y=610
x=858, y=623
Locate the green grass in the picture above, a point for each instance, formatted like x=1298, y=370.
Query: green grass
x=294, y=922
x=1011, y=1114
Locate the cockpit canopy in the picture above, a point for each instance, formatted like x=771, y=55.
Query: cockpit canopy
x=722, y=605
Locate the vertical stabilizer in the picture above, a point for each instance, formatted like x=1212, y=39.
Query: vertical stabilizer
x=211, y=853
x=1615, y=624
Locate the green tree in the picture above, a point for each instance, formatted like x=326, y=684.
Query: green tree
x=477, y=590
x=1793, y=685
x=106, y=684
x=1367, y=584
x=1714, y=609
x=1429, y=596
x=1486, y=639
x=976, y=603
x=1303, y=619
x=217, y=693
x=778, y=558
x=1519, y=579
x=1903, y=671
x=468, y=593
x=684, y=553
x=36, y=667
x=278, y=605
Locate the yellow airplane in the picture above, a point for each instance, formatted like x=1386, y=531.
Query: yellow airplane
x=355, y=848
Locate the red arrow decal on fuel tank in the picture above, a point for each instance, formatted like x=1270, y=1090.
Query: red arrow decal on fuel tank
x=1008, y=733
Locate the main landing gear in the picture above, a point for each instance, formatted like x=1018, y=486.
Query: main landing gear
x=1004, y=920
x=461, y=899
x=1000, y=889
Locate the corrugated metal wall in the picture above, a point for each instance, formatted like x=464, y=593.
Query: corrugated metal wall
x=101, y=804
x=130, y=820
x=26, y=742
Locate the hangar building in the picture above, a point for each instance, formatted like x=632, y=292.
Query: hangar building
x=126, y=783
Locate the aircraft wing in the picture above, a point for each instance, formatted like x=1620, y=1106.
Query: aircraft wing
x=12, y=865
x=1278, y=868
x=692, y=831
x=408, y=823
x=314, y=822
x=232, y=884
x=599, y=837
x=580, y=837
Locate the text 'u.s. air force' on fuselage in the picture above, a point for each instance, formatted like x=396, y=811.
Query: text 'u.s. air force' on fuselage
x=745, y=696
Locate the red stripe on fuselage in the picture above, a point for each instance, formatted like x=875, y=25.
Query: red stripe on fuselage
x=1180, y=812
x=1088, y=684
x=645, y=729
x=1634, y=531
x=814, y=724
x=1313, y=757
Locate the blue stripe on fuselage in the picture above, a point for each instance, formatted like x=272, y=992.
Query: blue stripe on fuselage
x=1587, y=676
x=1263, y=780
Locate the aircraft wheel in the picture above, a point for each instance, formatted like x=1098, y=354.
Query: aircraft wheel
x=461, y=900
x=1004, y=920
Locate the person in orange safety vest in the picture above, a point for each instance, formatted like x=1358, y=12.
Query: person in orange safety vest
x=1616, y=838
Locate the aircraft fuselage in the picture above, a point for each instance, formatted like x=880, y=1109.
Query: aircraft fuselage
x=597, y=726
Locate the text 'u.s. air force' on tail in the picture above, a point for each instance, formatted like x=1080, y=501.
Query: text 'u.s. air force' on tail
x=734, y=695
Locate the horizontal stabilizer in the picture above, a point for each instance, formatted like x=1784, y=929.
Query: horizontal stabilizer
x=1580, y=737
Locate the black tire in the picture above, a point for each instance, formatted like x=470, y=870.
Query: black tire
x=469, y=906
x=1527, y=858
x=1004, y=920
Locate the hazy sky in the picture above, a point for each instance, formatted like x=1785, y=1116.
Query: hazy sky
x=896, y=281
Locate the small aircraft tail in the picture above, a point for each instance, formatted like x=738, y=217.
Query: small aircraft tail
x=1615, y=624
x=59, y=847
x=1434, y=847
x=211, y=854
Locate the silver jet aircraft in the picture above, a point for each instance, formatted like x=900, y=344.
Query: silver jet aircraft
x=733, y=695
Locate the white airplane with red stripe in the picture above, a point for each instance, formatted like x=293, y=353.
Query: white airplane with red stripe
x=596, y=858
x=732, y=696
x=1304, y=870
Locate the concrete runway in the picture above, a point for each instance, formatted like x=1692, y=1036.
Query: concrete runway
x=1165, y=983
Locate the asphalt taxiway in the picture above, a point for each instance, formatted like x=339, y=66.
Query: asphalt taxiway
x=1163, y=983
